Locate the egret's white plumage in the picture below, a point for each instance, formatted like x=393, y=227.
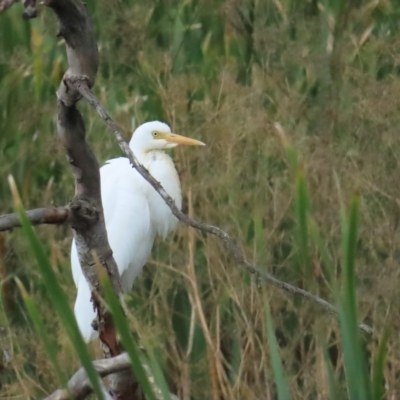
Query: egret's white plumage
x=134, y=212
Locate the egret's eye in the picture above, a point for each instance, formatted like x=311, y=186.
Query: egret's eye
x=155, y=134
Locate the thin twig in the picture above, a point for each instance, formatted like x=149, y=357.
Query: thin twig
x=46, y=215
x=229, y=243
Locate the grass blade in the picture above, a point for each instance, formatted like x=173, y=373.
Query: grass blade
x=56, y=294
x=41, y=332
x=279, y=377
x=158, y=375
x=328, y=266
x=333, y=393
x=302, y=203
x=289, y=149
x=354, y=360
x=302, y=206
x=378, y=379
x=128, y=342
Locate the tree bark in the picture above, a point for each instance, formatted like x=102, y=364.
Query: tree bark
x=46, y=215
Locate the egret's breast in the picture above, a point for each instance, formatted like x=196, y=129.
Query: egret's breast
x=162, y=168
x=127, y=217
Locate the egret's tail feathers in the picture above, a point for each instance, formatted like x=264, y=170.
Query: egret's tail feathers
x=84, y=312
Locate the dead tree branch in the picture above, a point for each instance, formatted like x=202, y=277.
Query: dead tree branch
x=79, y=384
x=38, y=216
x=229, y=243
x=86, y=210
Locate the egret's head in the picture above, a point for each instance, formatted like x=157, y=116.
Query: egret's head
x=156, y=135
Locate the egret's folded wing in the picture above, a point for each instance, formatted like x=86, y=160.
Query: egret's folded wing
x=127, y=217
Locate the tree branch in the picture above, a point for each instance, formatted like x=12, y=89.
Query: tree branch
x=79, y=384
x=5, y=4
x=229, y=243
x=30, y=10
x=47, y=215
x=86, y=210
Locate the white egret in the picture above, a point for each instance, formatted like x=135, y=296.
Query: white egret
x=134, y=212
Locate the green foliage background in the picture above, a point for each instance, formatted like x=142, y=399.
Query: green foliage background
x=224, y=72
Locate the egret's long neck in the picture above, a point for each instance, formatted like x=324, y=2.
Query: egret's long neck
x=140, y=152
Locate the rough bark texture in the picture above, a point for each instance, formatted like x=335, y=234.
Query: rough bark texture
x=75, y=26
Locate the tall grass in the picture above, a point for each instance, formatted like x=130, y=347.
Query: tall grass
x=330, y=80
x=360, y=384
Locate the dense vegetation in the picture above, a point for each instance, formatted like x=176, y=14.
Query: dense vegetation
x=224, y=72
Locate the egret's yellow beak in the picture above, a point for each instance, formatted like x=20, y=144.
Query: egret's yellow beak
x=178, y=139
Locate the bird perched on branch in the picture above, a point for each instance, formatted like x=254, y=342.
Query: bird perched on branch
x=134, y=212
